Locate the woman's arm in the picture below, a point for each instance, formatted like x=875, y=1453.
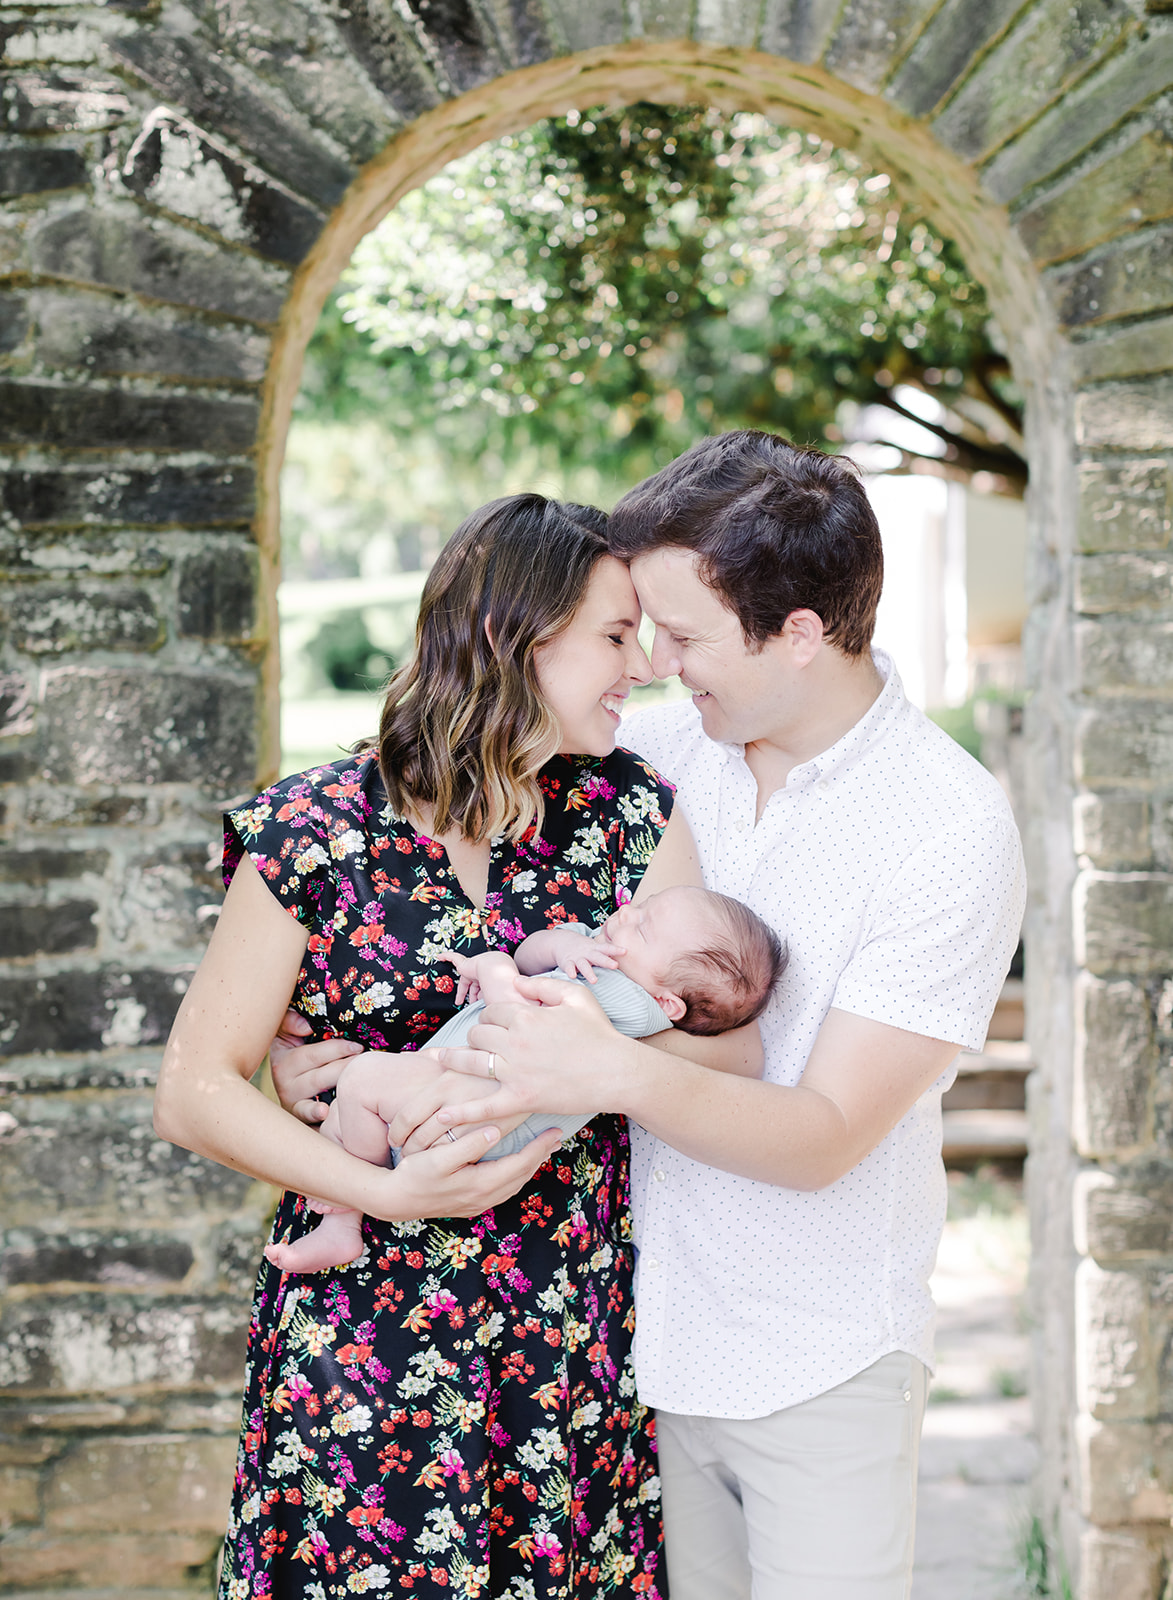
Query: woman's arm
x=205, y=1101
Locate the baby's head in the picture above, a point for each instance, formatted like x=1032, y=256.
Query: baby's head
x=710, y=962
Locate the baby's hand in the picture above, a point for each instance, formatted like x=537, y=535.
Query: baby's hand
x=577, y=955
x=468, y=989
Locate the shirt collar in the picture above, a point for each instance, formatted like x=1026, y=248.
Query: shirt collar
x=873, y=725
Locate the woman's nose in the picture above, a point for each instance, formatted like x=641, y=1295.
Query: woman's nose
x=639, y=668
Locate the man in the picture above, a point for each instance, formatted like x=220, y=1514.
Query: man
x=787, y=1227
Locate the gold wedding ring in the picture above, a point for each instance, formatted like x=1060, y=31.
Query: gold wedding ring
x=492, y=1065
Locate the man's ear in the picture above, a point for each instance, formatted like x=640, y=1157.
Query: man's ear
x=671, y=1005
x=803, y=631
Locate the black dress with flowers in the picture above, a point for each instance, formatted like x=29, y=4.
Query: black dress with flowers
x=454, y=1413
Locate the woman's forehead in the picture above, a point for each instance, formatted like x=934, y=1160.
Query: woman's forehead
x=611, y=594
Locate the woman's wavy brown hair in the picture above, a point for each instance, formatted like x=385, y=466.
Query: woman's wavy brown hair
x=465, y=727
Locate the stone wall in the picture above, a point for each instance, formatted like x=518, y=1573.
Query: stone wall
x=181, y=185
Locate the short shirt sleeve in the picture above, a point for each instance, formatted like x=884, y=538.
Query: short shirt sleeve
x=935, y=956
x=286, y=833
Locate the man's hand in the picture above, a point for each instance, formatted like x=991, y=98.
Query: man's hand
x=559, y=1055
x=302, y=1071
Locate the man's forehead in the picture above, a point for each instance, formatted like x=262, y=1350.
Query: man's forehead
x=671, y=589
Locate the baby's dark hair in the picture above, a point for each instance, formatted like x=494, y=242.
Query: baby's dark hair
x=727, y=985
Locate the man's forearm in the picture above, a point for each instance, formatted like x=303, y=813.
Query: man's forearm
x=738, y=1052
x=796, y=1138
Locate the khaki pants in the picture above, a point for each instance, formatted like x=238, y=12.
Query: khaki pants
x=815, y=1502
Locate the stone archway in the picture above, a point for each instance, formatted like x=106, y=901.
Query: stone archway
x=184, y=187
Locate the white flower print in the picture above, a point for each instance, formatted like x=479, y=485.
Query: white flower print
x=346, y=844
x=590, y=845
x=490, y=1329
x=313, y=856
x=443, y=1531
x=367, y=1579
x=357, y=1419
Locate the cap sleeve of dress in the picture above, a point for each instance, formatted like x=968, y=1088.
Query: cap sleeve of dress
x=643, y=803
x=286, y=833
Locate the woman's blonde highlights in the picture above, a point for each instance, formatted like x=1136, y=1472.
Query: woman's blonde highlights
x=465, y=727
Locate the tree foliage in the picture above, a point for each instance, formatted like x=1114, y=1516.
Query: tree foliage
x=621, y=283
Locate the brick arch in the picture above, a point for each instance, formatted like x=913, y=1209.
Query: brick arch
x=183, y=188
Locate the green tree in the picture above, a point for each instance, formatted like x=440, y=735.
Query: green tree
x=617, y=284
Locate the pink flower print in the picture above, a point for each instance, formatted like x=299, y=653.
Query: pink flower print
x=546, y=1544
x=622, y=895
x=441, y=1300
x=372, y=911
x=391, y=946
x=299, y=1387
x=452, y=1461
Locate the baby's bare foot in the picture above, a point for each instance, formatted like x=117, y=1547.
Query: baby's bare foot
x=336, y=1240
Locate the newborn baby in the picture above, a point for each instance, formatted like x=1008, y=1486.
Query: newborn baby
x=685, y=957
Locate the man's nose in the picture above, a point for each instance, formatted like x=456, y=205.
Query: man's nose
x=665, y=655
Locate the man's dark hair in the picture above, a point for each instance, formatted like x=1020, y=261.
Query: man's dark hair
x=776, y=529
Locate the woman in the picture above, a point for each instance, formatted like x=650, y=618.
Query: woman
x=453, y=1413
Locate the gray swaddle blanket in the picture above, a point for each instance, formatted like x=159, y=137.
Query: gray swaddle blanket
x=628, y=1007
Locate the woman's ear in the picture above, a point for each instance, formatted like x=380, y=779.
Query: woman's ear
x=671, y=1005
x=489, y=634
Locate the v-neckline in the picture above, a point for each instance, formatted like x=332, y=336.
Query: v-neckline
x=480, y=907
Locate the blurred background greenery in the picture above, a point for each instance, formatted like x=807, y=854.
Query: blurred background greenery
x=568, y=308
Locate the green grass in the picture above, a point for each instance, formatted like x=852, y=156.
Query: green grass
x=1036, y=1566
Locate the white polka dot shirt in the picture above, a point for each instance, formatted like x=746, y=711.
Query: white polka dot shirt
x=892, y=867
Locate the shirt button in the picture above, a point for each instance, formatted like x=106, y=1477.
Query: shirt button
x=652, y=1264
x=742, y=827
x=824, y=785
x=659, y=1175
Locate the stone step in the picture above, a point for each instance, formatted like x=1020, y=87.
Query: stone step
x=1008, y=1021
x=993, y=1079
x=971, y=1137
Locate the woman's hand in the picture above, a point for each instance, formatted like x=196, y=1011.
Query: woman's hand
x=416, y=1127
x=302, y=1071
x=450, y=1180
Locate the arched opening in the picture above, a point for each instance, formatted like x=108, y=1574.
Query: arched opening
x=680, y=73
x=729, y=80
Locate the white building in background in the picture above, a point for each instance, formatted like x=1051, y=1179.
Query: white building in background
x=954, y=599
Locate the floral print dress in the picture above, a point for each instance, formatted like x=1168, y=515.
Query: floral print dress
x=454, y=1413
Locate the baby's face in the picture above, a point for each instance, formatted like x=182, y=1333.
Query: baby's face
x=659, y=930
